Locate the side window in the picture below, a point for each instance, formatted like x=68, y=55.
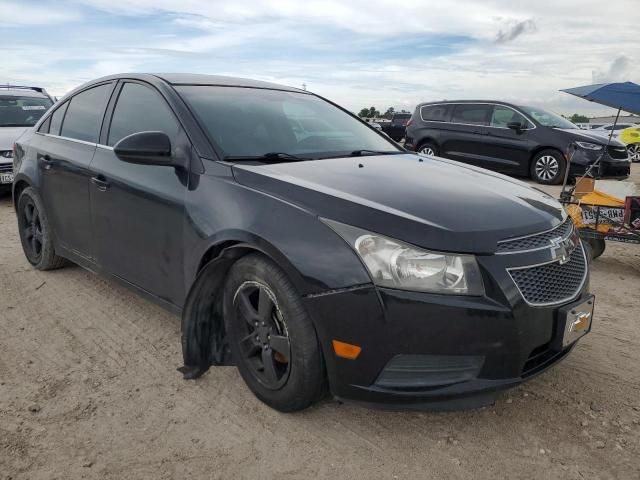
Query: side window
x=56, y=119
x=84, y=114
x=140, y=109
x=471, y=113
x=504, y=115
x=435, y=113
x=44, y=128
x=609, y=127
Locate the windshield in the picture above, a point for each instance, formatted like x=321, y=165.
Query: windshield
x=548, y=119
x=251, y=122
x=18, y=111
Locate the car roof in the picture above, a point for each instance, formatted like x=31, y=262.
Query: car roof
x=499, y=102
x=192, y=79
x=21, y=92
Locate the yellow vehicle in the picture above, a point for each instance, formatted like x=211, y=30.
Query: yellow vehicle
x=631, y=138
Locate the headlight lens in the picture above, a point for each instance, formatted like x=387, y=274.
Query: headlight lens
x=395, y=264
x=589, y=146
x=6, y=154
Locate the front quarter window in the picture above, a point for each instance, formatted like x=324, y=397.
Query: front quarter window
x=252, y=122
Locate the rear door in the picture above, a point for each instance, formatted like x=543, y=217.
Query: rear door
x=138, y=210
x=466, y=133
x=63, y=154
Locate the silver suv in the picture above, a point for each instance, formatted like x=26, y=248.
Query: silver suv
x=20, y=108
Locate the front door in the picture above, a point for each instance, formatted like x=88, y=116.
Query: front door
x=508, y=149
x=138, y=210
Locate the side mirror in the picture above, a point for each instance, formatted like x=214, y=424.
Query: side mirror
x=145, y=148
x=517, y=126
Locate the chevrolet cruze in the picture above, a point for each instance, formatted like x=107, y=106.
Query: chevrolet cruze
x=302, y=245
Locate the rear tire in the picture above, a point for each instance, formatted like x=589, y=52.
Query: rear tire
x=272, y=339
x=547, y=167
x=35, y=232
x=428, y=148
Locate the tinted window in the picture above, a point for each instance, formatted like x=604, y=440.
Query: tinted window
x=474, y=114
x=84, y=114
x=44, y=128
x=19, y=111
x=505, y=115
x=140, y=109
x=436, y=113
x=252, y=122
x=56, y=119
x=400, y=118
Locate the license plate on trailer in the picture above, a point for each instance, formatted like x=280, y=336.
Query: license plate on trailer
x=6, y=177
x=574, y=321
x=606, y=215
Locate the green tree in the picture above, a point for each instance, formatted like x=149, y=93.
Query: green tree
x=389, y=113
x=577, y=118
x=363, y=113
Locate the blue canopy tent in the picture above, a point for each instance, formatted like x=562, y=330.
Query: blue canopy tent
x=619, y=95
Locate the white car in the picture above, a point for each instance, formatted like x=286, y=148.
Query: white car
x=605, y=130
x=20, y=109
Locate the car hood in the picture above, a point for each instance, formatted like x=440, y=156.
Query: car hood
x=595, y=137
x=8, y=135
x=430, y=202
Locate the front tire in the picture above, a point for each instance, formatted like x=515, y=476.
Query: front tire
x=35, y=232
x=634, y=152
x=272, y=339
x=548, y=167
x=596, y=246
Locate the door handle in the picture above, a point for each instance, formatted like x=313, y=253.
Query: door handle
x=100, y=183
x=46, y=159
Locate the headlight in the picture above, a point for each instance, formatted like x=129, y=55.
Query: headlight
x=395, y=264
x=6, y=154
x=589, y=146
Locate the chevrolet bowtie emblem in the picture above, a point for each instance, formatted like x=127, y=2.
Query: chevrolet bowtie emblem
x=562, y=249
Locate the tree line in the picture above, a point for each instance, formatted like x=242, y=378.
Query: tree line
x=373, y=112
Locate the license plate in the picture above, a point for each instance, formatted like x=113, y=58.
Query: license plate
x=574, y=321
x=6, y=177
x=606, y=216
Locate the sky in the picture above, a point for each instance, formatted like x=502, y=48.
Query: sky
x=357, y=53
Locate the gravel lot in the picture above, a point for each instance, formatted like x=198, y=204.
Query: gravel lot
x=89, y=389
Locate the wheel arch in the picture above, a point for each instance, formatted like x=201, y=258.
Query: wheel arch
x=202, y=326
x=537, y=150
x=18, y=187
x=427, y=139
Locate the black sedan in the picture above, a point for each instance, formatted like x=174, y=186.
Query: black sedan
x=317, y=259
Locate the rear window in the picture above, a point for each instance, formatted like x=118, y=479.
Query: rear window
x=18, y=111
x=473, y=114
x=434, y=113
x=400, y=118
x=84, y=114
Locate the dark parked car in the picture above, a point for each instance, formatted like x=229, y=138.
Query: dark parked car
x=397, y=127
x=313, y=260
x=513, y=139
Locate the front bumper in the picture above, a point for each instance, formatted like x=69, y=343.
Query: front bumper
x=438, y=351
x=610, y=166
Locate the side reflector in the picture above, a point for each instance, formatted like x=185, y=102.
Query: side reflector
x=346, y=350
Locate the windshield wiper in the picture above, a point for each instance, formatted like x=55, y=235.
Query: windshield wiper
x=359, y=153
x=270, y=156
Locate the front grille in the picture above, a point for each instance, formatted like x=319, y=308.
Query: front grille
x=7, y=167
x=536, y=241
x=552, y=283
x=618, y=152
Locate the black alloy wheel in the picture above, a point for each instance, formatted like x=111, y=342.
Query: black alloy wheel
x=32, y=230
x=271, y=336
x=264, y=341
x=35, y=232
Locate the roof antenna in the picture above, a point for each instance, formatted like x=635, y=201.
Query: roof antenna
x=304, y=87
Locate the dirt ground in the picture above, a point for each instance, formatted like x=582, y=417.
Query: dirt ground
x=89, y=389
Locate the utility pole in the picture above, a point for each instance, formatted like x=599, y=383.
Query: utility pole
x=304, y=87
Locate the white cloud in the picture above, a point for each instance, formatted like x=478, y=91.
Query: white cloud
x=519, y=51
x=20, y=13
